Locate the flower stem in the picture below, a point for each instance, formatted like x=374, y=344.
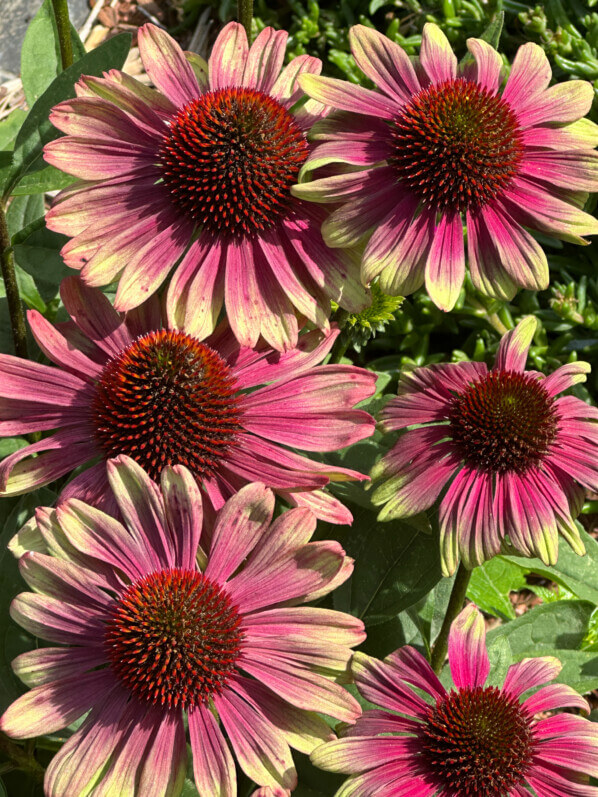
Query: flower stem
x=15, y=307
x=455, y=605
x=245, y=14
x=63, y=24
x=21, y=759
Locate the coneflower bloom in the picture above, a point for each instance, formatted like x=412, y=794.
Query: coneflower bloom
x=201, y=166
x=439, y=145
x=512, y=459
x=474, y=740
x=150, y=624
x=127, y=385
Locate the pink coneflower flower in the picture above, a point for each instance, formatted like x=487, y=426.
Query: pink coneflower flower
x=150, y=625
x=512, y=457
x=474, y=740
x=208, y=157
x=437, y=146
x=127, y=385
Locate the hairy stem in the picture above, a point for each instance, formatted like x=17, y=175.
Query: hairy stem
x=63, y=24
x=245, y=15
x=455, y=605
x=15, y=307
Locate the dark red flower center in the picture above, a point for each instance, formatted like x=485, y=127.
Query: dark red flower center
x=504, y=422
x=456, y=145
x=229, y=159
x=173, y=638
x=477, y=743
x=167, y=399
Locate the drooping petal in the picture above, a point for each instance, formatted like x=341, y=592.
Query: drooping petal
x=468, y=657
x=213, y=765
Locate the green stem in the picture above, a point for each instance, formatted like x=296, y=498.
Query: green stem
x=20, y=759
x=63, y=24
x=455, y=605
x=245, y=15
x=15, y=307
x=341, y=344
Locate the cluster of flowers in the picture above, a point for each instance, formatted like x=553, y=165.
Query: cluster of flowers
x=174, y=599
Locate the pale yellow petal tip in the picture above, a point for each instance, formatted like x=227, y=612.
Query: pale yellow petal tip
x=470, y=620
x=28, y=538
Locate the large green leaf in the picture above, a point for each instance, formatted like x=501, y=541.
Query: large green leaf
x=578, y=573
x=555, y=629
x=39, y=256
x=395, y=565
x=40, y=55
x=491, y=583
x=9, y=128
x=37, y=129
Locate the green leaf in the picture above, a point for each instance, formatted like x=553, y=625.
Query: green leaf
x=13, y=639
x=576, y=573
x=40, y=56
x=10, y=126
x=395, y=565
x=189, y=789
x=42, y=180
x=493, y=31
x=8, y=445
x=22, y=211
x=555, y=629
x=491, y=583
x=501, y=658
x=39, y=256
x=37, y=129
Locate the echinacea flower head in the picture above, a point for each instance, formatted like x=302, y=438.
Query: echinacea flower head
x=438, y=145
x=151, y=622
x=200, y=168
x=125, y=384
x=474, y=740
x=510, y=458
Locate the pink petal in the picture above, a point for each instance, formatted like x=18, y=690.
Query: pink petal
x=165, y=63
x=514, y=346
x=91, y=310
x=242, y=521
x=445, y=269
x=384, y=62
x=142, y=508
x=213, y=765
x=529, y=76
x=530, y=673
x=55, y=346
x=45, y=665
x=488, y=64
x=147, y=270
x=184, y=513
x=348, y=97
x=260, y=750
x=49, y=708
x=265, y=59
x=436, y=55
x=381, y=684
x=564, y=102
x=60, y=453
x=196, y=290
x=555, y=696
x=228, y=58
x=468, y=657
